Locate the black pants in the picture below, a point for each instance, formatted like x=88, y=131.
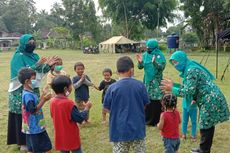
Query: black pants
x=14, y=134
x=206, y=139
x=152, y=112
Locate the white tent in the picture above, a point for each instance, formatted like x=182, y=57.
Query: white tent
x=109, y=45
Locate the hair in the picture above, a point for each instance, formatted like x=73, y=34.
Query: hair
x=169, y=101
x=78, y=64
x=25, y=74
x=59, y=83
x=59, y=62
x=124, y=64
x=53, y=67
x=107, y=70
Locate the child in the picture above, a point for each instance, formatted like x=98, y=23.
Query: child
x=56, y=70
x=65, y=115
x=189, y=110
x=81, y=84
x=125, y=100
x=33, y=125
x=169, y=124
x=107, y=73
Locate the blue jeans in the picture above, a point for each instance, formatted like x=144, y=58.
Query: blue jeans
x=192, y=113
x=73, y=151
x=171, y=145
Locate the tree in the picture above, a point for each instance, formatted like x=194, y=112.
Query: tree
x=44, y=21
x=19, y=15
x=190, y=38
x=135, y=14
x=210, y=20
x=79, y=16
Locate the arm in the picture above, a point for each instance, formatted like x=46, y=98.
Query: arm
x=49, y=78
x=41, y=68
x=145, y=95
x=77, y=83
x=160, y=125
x=179, y=118
x=87, y=81
x=160, y=65
x=189, y=87
x=140, y=65
x=101, y=86
x=140, y=61
x=32, y=108
x=77, y=116
x=107, y=100
x=44, y=98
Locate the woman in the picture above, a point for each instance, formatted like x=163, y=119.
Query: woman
x=198, y=83
x=153, y=62
x=23, y=57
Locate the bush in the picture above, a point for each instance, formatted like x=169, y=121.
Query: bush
x=163, y=47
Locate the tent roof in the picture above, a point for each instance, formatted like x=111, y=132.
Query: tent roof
x=118, y=40
x=224, y=34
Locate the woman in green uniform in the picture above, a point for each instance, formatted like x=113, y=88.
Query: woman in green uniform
x=198, y=83
x=23, y=57
x=153, y=62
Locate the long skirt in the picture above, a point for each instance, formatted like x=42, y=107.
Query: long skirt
x=152, y=112
x=14, y=134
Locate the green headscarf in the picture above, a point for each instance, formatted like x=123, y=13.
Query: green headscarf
x=21, y=58
x=153, y=51
x=181, y=57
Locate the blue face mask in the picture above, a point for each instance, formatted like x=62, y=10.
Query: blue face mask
x=180, y=67
x=34, y=84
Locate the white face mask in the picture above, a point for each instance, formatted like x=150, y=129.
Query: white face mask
x=67, y=93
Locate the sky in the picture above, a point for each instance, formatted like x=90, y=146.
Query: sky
x=47, y=4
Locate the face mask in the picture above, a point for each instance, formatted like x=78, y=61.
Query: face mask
x=180, y=67
x=58, y=68
x=67, y=93
x=30, y=48
x=34, y=84
x=149, y=51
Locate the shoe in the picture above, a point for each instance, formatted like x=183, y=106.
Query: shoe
x=195, y=150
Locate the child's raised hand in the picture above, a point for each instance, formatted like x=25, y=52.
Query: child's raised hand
x=88, y=105
x=83, y=77
x=46, y=89
x=47, y=97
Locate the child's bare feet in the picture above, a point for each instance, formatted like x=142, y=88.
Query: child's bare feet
x=103, y=122
x=183, y=136
x=193, y=138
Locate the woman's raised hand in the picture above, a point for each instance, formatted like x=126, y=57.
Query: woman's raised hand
x=166, y=85
x=139, y=58
x=42, y=60
x=52, y=60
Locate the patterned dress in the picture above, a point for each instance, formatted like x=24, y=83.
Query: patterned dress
x=153, y=73
x=209, y=98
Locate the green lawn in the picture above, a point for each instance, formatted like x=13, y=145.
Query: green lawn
x=95, y=138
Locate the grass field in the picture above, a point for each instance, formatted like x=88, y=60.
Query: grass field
x=95, y=138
